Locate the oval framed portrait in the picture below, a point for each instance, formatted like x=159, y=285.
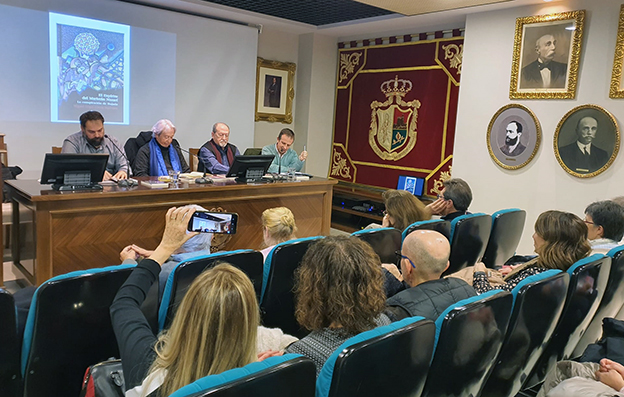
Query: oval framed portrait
x=513, y=136
x=587, y=140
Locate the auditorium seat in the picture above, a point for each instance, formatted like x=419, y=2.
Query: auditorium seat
x=183, y=275
x=588, y=279
x=392, y=360
x=10, y=377
x=439, y=225
x=611, y=303
x=277, y=299
x=469, y=236
x=469, y=335
x=507, y=226
x=290, y=375
x=538, y=303
x=68, y=329
x=385, y=242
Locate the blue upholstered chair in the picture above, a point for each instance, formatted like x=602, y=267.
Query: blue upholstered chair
x=385, y=242
x=10, y=377
x=611, y=303
x=469, y=236
x=68, y=329
x=185, y=272
x=469, y=335
x=588, y=279
x=507, y=226
x=277, y=302
x=290, y=375
x=538, y=303
x=439, y=225
x=392, y=360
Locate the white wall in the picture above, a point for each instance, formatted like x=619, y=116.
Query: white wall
x=543, y=184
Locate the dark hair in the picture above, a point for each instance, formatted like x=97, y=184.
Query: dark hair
x=565, y=239
x=518, y=126
x=339, y=282
x=404, y=208
x=91, y=115
x=459, y=192
x=610, y=216
x=286, y=131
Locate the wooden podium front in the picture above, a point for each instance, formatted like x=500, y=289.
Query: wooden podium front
x=84, y=230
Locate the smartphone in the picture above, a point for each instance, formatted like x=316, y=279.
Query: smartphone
x=213, y=222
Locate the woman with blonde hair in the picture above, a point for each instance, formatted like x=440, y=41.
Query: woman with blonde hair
x=278, y=225
x=560, y=239
x=214, y=328
x=339, y=293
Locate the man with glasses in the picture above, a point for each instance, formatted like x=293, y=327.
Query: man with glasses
x=453, y=200
x=217, y=155
x=605, y=225
x=423, y=258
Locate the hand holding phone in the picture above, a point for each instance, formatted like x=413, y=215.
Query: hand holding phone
x=213, y=222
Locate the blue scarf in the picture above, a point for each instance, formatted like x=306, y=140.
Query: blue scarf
x=157, y=163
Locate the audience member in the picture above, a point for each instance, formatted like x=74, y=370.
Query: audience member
x=339, y=293
x=402, y=209
x=217, y=155
x=575, y=379
x=214, y=329
x=424, y=257
x=605, y=224
x=560, y=239
x=161, y=154
x=92, y=139
x=285, y=156
x=453, y=200
x=278, y=225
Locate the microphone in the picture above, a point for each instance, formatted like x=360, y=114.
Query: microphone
x=122, y=153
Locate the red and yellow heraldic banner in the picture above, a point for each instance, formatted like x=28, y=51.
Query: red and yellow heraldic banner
x=396, y=107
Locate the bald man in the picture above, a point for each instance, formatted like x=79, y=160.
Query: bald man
x=544, y=72
x=582, y=156
x=424, y=257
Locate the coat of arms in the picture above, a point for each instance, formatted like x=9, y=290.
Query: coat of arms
x=393, y=123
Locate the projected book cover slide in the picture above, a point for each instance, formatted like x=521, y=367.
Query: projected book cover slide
x=89, y=68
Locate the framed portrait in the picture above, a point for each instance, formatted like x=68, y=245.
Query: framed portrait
x=274, y=91
x=546, y=56
x=587, y=140
x=513, y=136
x=617, y=82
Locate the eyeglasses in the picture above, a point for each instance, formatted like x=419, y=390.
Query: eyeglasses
x=385, y=212
x=400, y=255
x=441, y=197
x=222, y=135
x=589, y=223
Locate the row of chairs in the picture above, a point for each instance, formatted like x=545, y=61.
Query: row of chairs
x=473, y=237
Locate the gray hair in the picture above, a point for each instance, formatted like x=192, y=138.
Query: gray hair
x=201, y=242
x=162, y=125
x=214, y=126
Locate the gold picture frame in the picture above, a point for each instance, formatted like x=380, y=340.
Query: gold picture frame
x=546, y=55
x=274, y=91
x=617, y=83
x=575, y=130
x=513, y=136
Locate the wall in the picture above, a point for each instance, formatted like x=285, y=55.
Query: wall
x=543, y=184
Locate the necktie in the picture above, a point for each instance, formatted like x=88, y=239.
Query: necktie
x=585, y=151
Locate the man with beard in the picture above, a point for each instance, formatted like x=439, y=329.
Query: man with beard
x=513, y=147
x=92, y=139
x=582, y=155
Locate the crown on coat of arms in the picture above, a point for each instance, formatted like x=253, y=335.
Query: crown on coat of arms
x=398, y=87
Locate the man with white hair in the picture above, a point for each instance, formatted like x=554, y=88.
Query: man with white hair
x=161, y=154
x=424, y=257
x=544, y=72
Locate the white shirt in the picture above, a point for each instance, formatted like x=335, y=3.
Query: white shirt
x=584, y=147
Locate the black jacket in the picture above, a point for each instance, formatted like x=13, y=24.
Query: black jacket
x=428, y=299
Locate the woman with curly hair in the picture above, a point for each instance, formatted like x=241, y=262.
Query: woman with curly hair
x=560, y=239
x=339, y=293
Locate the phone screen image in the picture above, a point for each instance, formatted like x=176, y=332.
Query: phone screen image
x=213, y=222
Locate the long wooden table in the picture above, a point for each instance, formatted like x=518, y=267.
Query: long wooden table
x=84, y=230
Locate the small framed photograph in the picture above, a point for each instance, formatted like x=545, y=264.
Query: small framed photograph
x=514, y=136
x=617, y=77
x=587, y=140
x=274, y=91
x=546, y=56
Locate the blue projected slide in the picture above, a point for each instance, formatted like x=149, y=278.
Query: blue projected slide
x=89, y=69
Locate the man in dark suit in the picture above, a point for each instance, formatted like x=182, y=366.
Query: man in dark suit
x=544, y=72
x=582, y=156
x=512, y=146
